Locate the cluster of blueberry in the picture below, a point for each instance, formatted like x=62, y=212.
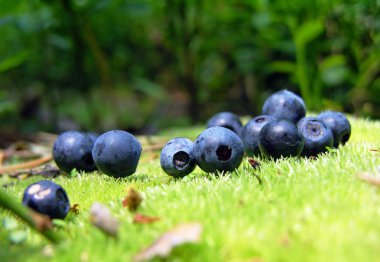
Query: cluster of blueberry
x=215, y=149
x=115, y=153
x=282, y=130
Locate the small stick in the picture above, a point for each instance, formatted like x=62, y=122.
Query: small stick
x=2, y=156
x=25, y=165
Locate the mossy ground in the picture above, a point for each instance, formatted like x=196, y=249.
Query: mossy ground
x=305, y=210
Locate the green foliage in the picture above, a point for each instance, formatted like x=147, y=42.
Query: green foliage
x=199, y=55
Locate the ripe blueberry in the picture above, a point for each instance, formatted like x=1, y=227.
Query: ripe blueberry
x=280, y=138
x=285, y=104
x=339, y=125
x=316, y=134
x=48, y=198
x=116, y=153
x=250, y=133
x=177, y=158
x=226, y=119
x=218, y=149
x=72, y=149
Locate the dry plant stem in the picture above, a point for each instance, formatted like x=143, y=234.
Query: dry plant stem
x=2, y=156
x=18, y=209
x=25, y=165
x=46, y=172
x=258, y=178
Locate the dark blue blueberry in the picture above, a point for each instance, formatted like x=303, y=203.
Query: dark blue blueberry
x=226, y=119
x=339, y=125
x=48, y=198
x=72, y=149
x=250, y=133
x=177, y=158
x=285, y=104
x=218, y=149
x=280, y=139
x=316, y=134
x=116, y=153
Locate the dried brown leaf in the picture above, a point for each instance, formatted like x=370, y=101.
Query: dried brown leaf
x=132, y=200
x=100, y=216
x=74, y=209
x=254, y=163
x=143, y=219
x=370, y=178
x=162, y=247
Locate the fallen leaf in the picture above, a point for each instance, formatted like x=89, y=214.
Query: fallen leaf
x=370, y=178
x=74, y=209
x=143, y=219
x=100, y=216
x=254, y=163
x=132, y=200
x=162, y=247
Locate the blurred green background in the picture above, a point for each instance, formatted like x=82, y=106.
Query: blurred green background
x=142, y=65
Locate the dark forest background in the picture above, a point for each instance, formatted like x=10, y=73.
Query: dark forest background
x=142, y=65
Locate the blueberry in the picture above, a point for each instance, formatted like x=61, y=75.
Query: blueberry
x=226, y=119
x=339, y=125
x=116, y=153
x=316, y=134
x=285, y=104
x=72, y=149
x=280, y=138
x=177, y=158
x=250, y=133
x=218, y=149
x=48, y=198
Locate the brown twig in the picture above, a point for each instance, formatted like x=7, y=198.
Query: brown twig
x=46, y=171
x=2, y=156
x=25, y=165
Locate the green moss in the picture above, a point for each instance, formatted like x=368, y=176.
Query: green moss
x=305, y=210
